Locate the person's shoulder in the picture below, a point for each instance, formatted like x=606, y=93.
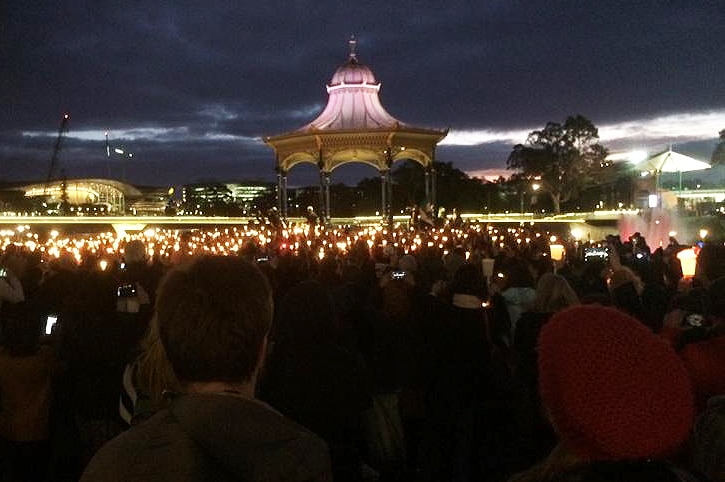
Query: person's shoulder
x=251, y=439
x=248, y=422
x=152, y=450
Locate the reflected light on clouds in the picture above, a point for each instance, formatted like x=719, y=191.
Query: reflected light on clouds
x=667, y=128
x=152, y=134
x=690, y=126
x=143, y=133
x=485, y=136
x=218, y=112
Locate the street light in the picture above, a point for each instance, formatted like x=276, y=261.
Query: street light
x=534, y=187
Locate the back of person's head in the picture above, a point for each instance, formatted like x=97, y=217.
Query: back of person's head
x=94, y=294
x=613, y=389
x=306, y=313
x=397, y=299
x=12, y=257
x=453, y=261
x=553, y=293
x=329, y=270
x=518, y=274
x=134, y=252
x=213, y=316
x=626, y=298
x=359, y=252
x=408, y=263
x=711, y=262
x=468, y=280
x=622, y=276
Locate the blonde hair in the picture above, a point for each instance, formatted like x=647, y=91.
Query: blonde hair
x=154, y=374
x=553, y=293
x=622, y=276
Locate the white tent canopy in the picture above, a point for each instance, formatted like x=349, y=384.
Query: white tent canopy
x=671, y=161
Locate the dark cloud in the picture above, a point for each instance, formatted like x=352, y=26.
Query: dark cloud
x=212, y=75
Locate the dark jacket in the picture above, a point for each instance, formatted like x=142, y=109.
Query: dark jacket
x=213, y=437
x=325, y=388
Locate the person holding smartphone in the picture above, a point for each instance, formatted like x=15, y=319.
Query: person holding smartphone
x=27, y=372
x=137, y=281
x=212, y=318
x=11, y=290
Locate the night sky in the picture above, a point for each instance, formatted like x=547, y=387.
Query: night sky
x=191, y=87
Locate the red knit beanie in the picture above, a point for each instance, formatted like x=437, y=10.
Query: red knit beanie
x=613, y=389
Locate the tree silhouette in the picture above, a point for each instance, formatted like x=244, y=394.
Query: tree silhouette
x=563, y=159
x=454, y=188
x=718, y=155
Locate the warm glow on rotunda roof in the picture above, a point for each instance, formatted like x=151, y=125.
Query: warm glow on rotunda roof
x=354, y=127
x=352, y=72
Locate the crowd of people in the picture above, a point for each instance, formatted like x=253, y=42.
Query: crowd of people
x=273, y=352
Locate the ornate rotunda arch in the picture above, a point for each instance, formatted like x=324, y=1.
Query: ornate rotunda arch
x=354, y=127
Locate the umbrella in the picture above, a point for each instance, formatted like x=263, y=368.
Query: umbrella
x=671, y=161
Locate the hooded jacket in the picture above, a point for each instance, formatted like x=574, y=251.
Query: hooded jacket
x=518, y=300
x=213, y=437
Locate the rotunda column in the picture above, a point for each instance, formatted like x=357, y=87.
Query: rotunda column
x=321, y=197
x=433, y=186
x=384, y=181
x=284, y=195
x=279, y=192
x=328, y=177
x=426, y=181
x=389, y=207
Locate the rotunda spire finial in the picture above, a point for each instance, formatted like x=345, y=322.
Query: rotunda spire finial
x=352, y=43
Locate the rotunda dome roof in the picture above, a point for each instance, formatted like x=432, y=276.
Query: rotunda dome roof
x=353, y=72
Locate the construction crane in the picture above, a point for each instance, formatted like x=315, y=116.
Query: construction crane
x=56, y=150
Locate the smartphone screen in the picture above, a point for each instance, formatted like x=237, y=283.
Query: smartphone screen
x=126, y=291
x=50, y=323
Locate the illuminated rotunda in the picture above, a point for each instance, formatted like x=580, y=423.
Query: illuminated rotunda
x=354, y=127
